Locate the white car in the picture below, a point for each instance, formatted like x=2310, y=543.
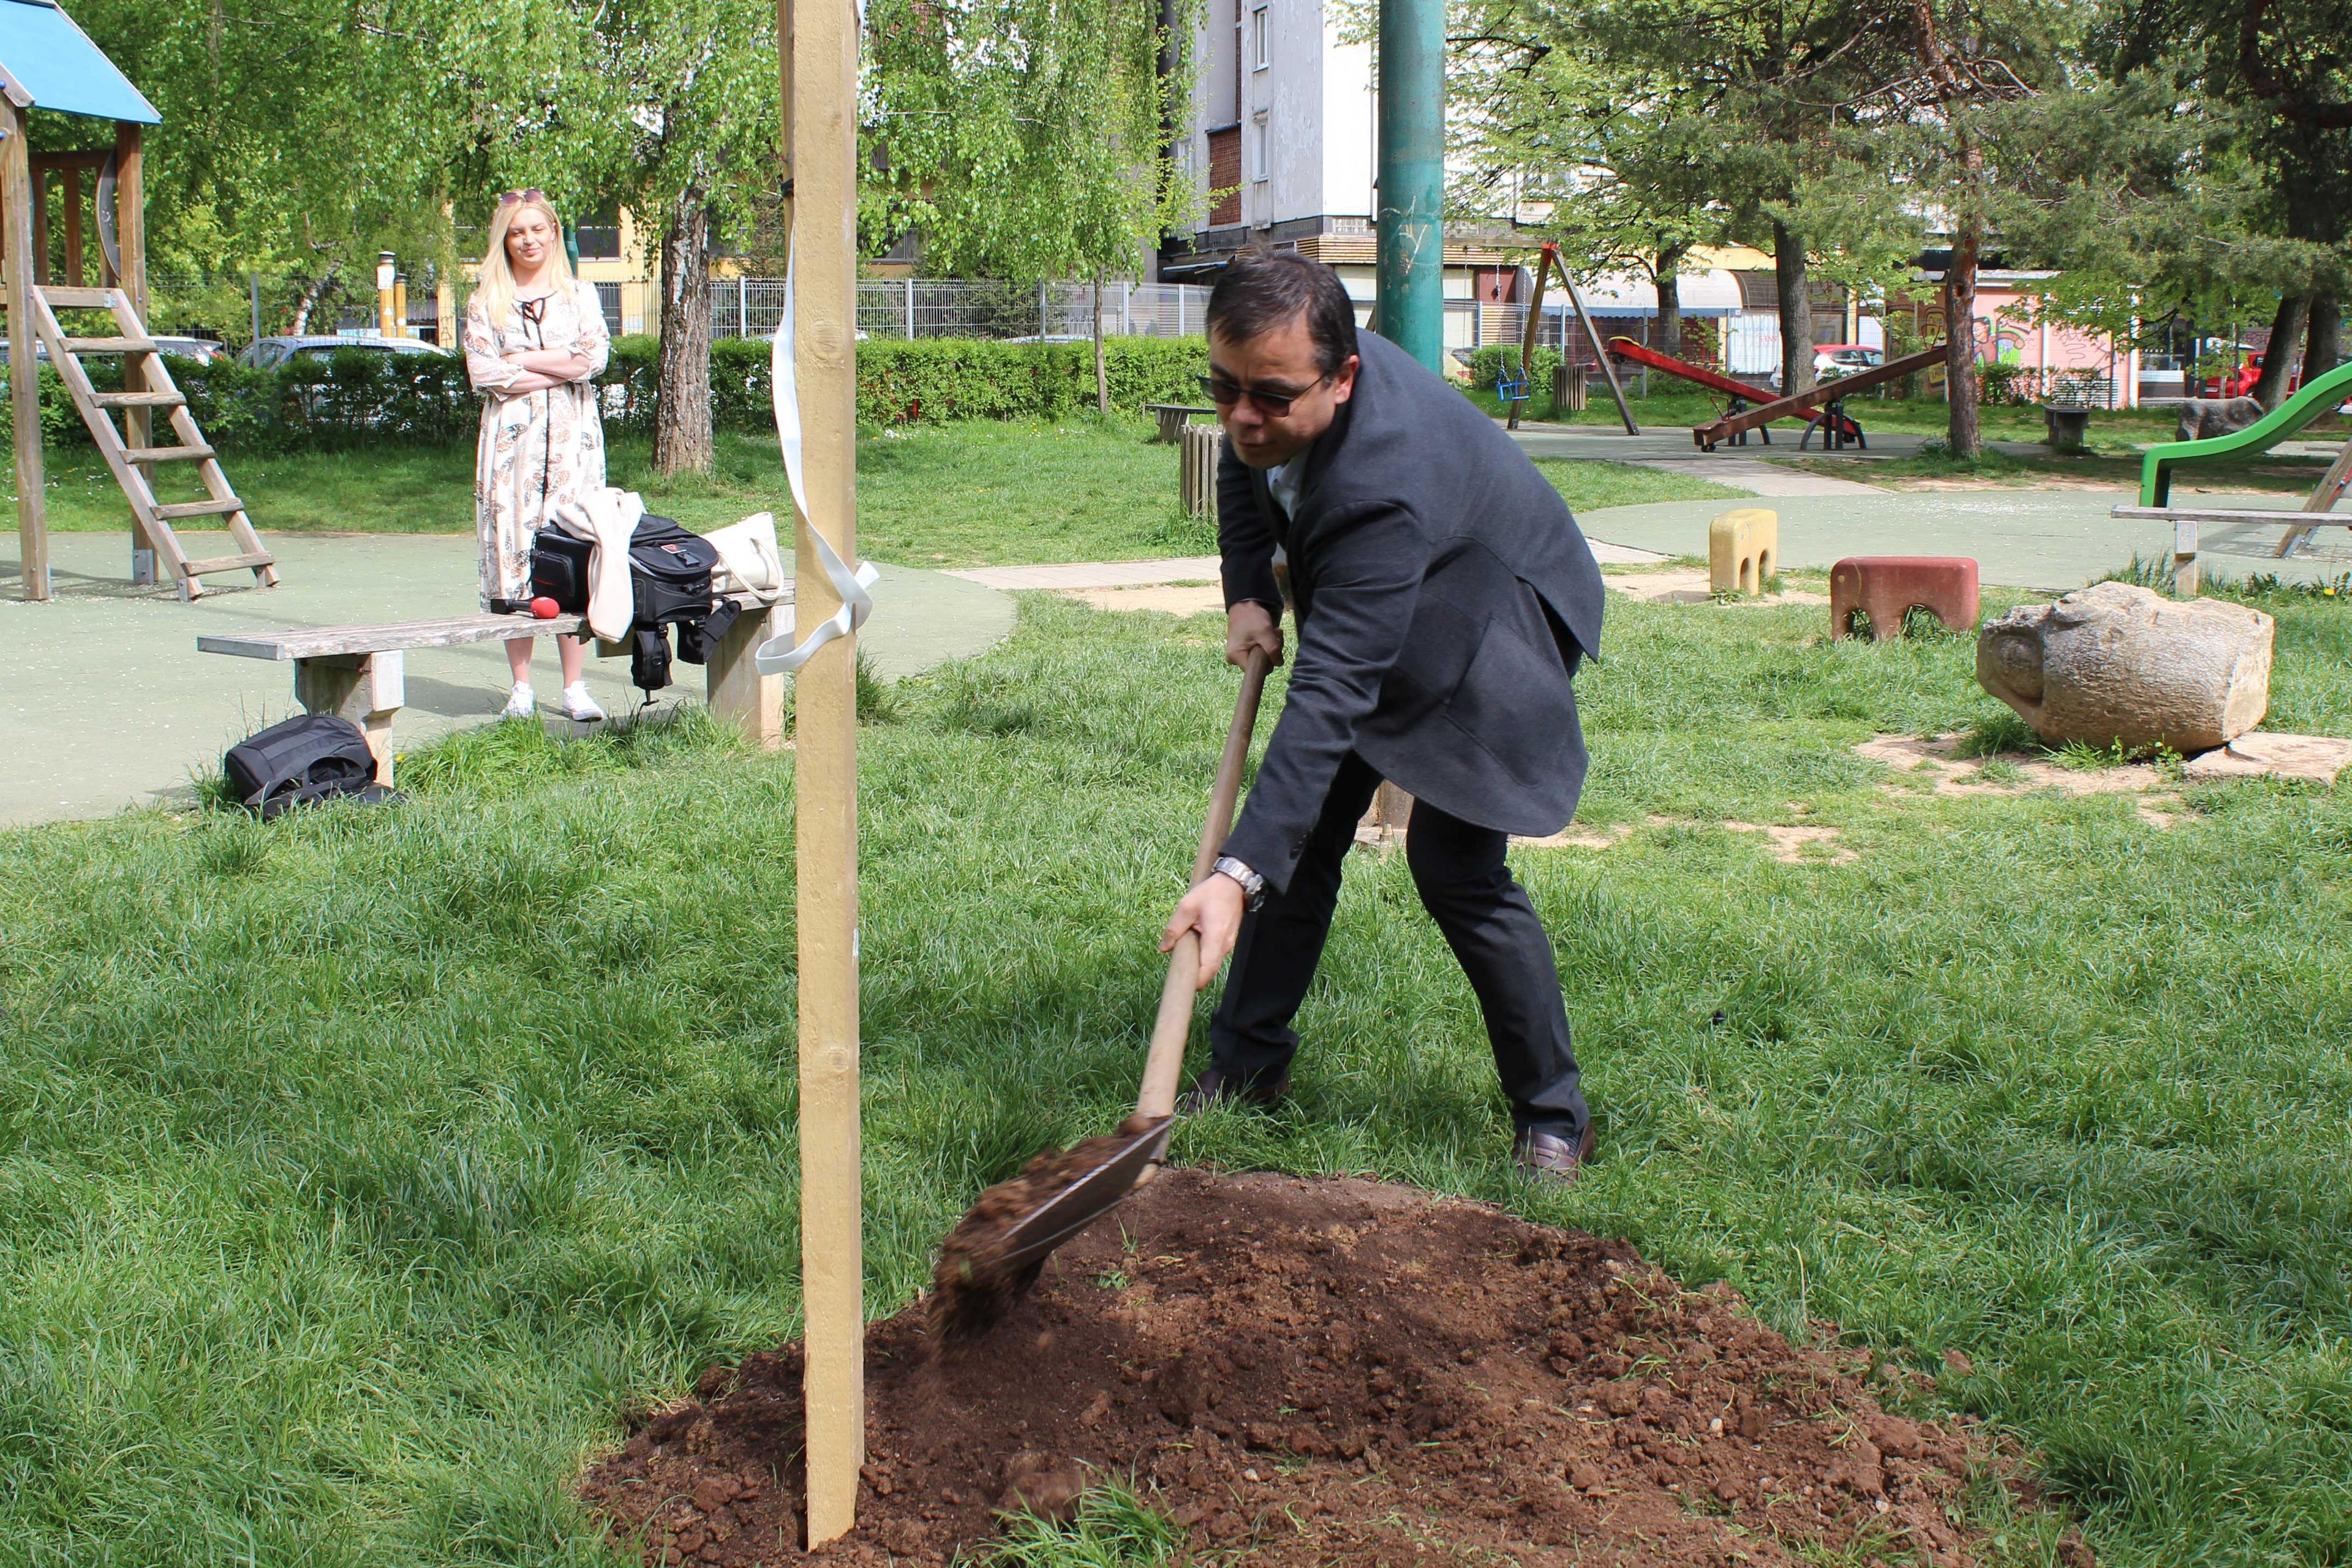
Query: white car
x=1832, y=361
x=267, y=353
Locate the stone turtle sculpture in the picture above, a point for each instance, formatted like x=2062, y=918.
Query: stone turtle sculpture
x=2117, y=665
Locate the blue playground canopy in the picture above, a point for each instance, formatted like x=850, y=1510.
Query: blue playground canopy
x=46, y=62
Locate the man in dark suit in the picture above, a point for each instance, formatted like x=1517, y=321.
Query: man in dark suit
x=1443, y=597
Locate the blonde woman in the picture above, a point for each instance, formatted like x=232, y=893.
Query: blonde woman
x=535, y=343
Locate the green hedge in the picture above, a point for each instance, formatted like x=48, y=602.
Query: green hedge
x=1486, y=364
x=361, y=398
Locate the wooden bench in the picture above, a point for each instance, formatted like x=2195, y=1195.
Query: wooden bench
x=1173, y=417
x=2186, y=520
x=359, y=672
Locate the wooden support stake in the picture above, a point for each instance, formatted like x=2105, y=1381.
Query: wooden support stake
x=1593, y=335
x=24, y=384
x=1527, y=337
x=817, y=47
x=131, y=238
x=70, y=179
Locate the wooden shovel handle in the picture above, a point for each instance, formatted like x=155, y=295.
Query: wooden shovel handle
x=1174, y=1024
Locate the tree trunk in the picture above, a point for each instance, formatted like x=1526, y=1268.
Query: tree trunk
x=682, y=404
x=2322, y=347
x=1102, y=376
x=1670, y=299
x=2281, y=354
x=309, y=301
x=1963, y=431
x=1796, y=311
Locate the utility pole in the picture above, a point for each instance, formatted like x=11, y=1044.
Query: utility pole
x=1412, y=177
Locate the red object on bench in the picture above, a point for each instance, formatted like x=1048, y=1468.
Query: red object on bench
x=1884, y=586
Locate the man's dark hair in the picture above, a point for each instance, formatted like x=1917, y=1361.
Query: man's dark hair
x=1261, y=291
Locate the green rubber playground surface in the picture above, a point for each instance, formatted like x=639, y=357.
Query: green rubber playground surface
x=109, y=691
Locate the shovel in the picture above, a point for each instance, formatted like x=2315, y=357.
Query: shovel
x=991, y=1257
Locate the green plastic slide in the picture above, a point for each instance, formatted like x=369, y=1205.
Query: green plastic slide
x=2316, y=399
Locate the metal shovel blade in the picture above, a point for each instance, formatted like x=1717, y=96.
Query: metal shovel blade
x=1091, y=1194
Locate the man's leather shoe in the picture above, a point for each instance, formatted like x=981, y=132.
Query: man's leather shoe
x=1215, y=1088
x=1549, y=1157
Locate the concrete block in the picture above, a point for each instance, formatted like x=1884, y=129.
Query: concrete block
x=1743, y=550
x=1885, y=587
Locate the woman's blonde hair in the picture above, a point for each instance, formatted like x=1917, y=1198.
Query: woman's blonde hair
x=494, y=289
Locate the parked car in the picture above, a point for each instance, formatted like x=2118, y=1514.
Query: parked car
x=1832, y=361
x=204, y=351
x=267, y=353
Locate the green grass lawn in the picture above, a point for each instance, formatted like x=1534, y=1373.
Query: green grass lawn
x=978, y=494
x=363, y=1169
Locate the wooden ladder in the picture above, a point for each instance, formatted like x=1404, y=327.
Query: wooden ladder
x=144, y=370
x=2332, y=486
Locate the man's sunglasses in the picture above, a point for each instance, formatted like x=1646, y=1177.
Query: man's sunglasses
x=1273, y=404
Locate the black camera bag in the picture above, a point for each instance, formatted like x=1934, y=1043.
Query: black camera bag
x=316, y=756
x=559, y=570
x=670, y=572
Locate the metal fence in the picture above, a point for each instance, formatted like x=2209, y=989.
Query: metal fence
x=960, y=307
x=236, y=308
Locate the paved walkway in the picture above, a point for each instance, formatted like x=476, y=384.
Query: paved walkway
x=108, y=703
x=1095, y=574
x=2049, y=540
x=1670, y=449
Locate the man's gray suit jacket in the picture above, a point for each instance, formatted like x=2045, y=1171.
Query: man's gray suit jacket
x=1443, y=598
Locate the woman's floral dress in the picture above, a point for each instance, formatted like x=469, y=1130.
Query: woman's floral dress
x=538, y=449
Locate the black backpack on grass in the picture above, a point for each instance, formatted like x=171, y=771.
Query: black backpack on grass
x=315, y=757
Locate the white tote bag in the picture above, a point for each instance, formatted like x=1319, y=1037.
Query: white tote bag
x=748, y=559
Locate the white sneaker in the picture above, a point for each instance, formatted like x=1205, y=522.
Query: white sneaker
x=521, y=702
x=578, y=705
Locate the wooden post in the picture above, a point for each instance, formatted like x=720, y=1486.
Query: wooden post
x=1592, y=335
x=40, y=252
x=738, y=693
x=368, y=688
x=131, y=238
x=817, y=46
x=1527, y=337
x=24, y=382
x=70, y=178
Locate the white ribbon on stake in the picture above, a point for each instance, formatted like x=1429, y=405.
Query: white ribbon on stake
x=777, y=656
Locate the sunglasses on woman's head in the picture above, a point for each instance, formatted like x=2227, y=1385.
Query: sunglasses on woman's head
x=511, y=197
x=1273, y=404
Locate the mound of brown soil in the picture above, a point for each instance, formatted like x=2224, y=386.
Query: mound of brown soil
x=1321, y=1372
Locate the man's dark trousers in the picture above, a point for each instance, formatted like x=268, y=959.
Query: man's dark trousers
x=1486, y=916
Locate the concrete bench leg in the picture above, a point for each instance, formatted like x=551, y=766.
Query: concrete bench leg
x=2184, y=558
x=736, y=691
x=368, y=688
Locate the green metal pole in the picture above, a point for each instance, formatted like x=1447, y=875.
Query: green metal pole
x=1412, y=175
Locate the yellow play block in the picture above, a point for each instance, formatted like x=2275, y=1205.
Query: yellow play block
x=1743, y=550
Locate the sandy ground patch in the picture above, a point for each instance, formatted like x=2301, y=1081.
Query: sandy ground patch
x=1170, y=598
x=1954, y=775
x=1689, y=586
x=2318, y=759
x=1800, y=845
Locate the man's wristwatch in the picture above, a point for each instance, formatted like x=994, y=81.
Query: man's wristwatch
x=1253, y=885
